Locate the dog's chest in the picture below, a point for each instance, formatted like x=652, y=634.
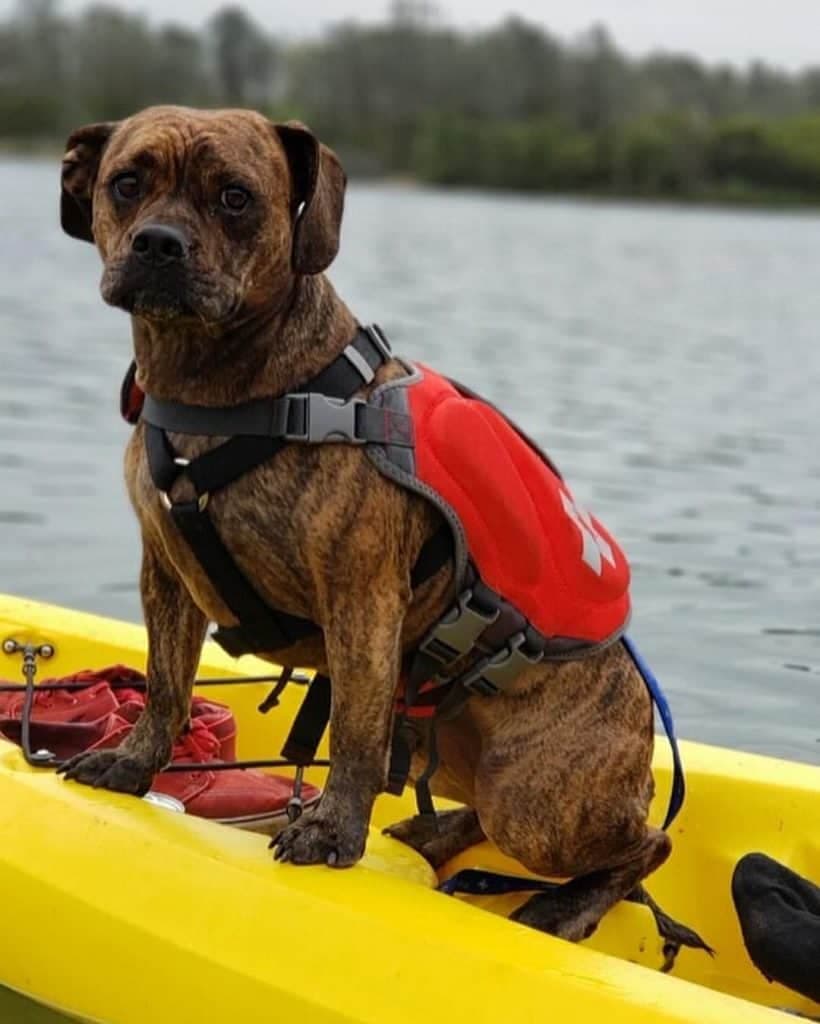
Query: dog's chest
x=297, y=526
x=266, y=519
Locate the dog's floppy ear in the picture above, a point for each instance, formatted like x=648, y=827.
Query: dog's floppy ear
x=318, y=197
x=81, y=162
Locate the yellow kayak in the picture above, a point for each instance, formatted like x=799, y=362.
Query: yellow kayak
x=120, y=911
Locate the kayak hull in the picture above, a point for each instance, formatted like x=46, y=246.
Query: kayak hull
x=120, y=911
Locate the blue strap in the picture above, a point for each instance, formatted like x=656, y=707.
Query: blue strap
x=678, y=782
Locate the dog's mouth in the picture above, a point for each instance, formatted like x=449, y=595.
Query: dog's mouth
x=167, y=294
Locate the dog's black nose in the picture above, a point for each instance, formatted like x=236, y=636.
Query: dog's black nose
x=158, y=245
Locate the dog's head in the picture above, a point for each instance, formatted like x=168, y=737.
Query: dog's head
x=201, y=214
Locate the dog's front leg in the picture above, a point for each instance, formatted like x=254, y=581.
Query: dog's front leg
x=363, y=651
x=176, y=631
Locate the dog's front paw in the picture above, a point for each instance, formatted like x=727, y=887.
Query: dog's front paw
x=320, y=839
x=110, y=769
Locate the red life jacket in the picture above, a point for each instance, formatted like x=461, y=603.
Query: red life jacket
x=512, y=515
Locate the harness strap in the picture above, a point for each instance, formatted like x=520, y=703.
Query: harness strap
x=306, y=417
x=257, y=623
x=310, y=723
x=449, y=697
x=398, y=770
x=259, y=627
x=220, y=466
x=345, y=375
x=435, y=553
x=263, y=417
x=358, y=362
x=256, y=432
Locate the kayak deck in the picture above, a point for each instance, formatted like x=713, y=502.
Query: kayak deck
x=110, y=901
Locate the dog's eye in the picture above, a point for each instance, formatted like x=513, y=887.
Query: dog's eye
x=126, y=186
x=235, y=198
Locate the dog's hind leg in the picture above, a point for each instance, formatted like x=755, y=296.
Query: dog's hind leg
x=572, y=911
x=674, y=934
x=441, y=837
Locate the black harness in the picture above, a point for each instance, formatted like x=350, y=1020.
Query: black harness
x=323, y=410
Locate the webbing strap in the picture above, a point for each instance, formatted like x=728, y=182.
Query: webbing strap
x=310, y=723
x=344, y=376
x=435, y=553
x=268, y=425
x=263, y=417
x=398, y=769
x=273, y=630
x=259, y=627
x=678, y=794
x=285, y=416
x=220, y=466
x=164, y=470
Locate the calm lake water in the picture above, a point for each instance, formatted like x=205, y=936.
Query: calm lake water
x=667, y=358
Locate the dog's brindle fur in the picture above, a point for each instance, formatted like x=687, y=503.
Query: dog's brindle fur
x=557, y=772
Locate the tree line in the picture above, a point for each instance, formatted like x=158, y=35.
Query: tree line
x=511, y=106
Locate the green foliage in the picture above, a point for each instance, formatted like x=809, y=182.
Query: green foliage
x=530, y=155
x=664, y=155
x=779, y=155
x=509, y=107
x=243, y=58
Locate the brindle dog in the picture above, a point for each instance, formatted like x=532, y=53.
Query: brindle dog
x=214, y=229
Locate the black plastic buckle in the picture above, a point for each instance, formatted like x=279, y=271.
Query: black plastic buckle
x=456, y=633
x=499, y=672
x=327, y=420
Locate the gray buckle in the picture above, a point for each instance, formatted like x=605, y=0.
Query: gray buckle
x=456, y=633
x=499, y=672
x=327, y=420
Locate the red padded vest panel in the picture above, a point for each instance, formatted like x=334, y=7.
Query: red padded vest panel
x=528, y=539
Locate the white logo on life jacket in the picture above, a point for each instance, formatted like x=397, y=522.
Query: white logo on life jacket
x=595, y=547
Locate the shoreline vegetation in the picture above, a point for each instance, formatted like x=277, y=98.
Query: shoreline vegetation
x=412, y=99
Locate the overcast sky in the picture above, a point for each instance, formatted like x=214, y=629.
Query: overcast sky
x=786, y=32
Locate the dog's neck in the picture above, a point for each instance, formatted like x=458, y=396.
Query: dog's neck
x=264, y=354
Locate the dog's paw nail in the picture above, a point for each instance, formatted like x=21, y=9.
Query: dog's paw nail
x=332, y=858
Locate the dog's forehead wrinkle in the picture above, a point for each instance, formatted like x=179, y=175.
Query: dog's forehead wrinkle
x=211, y=160
x=150, y=145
